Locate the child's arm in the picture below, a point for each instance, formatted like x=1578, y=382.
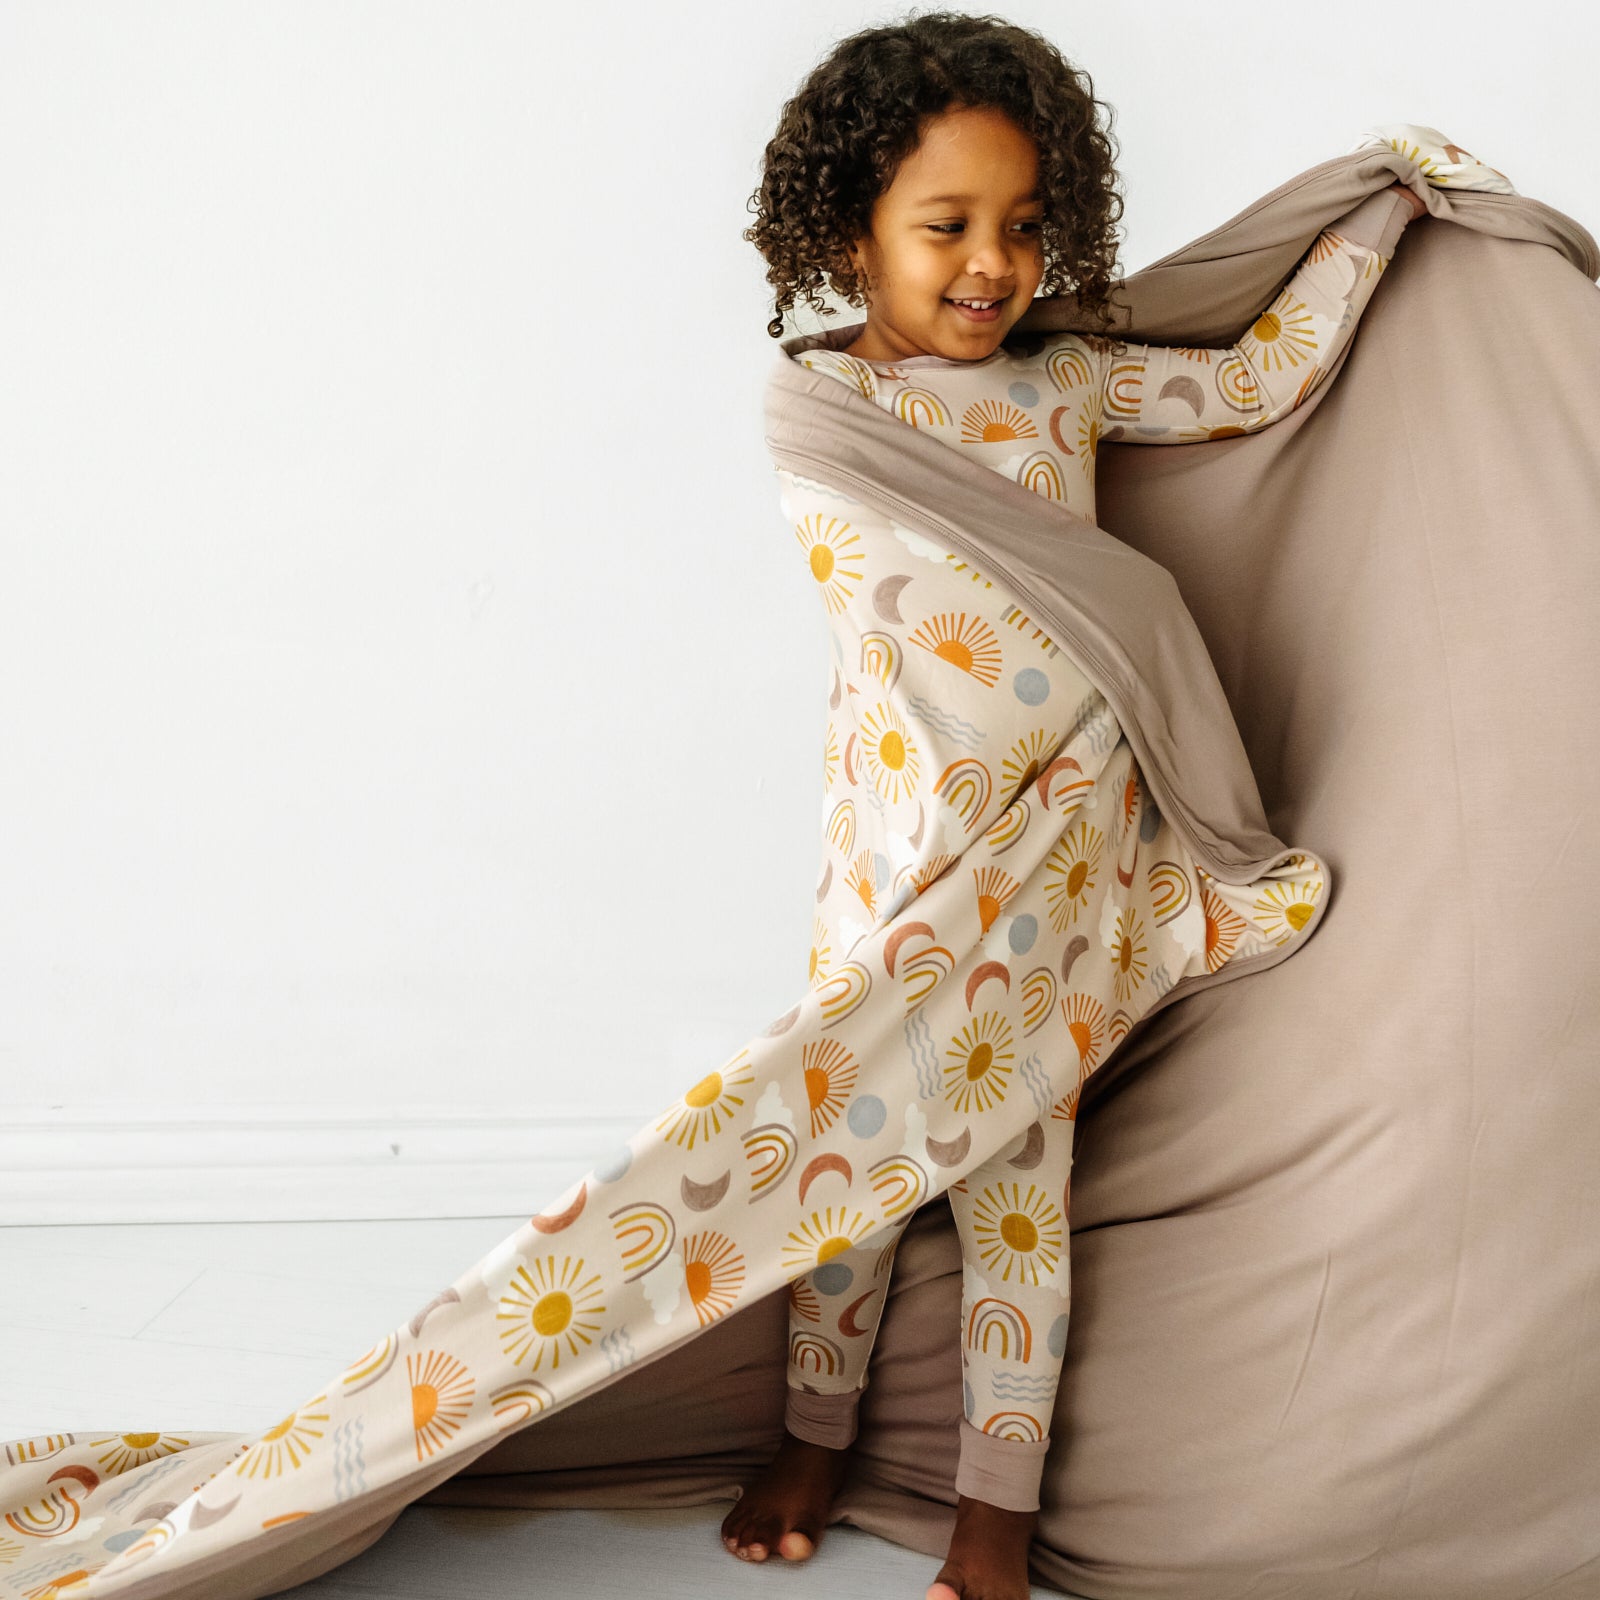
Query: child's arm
x=1155, y=394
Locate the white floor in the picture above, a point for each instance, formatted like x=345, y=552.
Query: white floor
x=127, y=1328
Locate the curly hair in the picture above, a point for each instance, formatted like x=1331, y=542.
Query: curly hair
x=859, y=114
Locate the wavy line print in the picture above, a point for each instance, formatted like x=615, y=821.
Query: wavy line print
x=619, y=1349
x=1013, y=1386
x=1032, y=1073
x=946, y=722
x=924, y=1057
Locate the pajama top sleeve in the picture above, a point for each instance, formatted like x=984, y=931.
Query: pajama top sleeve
x=1155, y=394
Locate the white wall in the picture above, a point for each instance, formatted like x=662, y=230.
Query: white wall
x=410, y=694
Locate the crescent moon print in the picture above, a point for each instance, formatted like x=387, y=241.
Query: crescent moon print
x=886, y=596
x=981, y=975
x=847, y=1322
x=1032, y=1151
x=1056, y=437
x=86, y=1476
x=705, y=1196
x=952, y=1152
x=820, y=1164
x=205, y=1514
x=563, y=1219
x=1187, y=390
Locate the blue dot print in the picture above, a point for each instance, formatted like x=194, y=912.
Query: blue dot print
x=1024, y=930
x=1032, y=686
x=1023, y=394
x=865, y=1115
x=832, y=1277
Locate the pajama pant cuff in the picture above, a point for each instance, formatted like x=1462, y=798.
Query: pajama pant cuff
x=828, y=1419
x=1002, y=1472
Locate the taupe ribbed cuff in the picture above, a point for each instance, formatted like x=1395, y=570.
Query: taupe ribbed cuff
x=1001, y=1472
x=828, y=1419
x=1377, y=222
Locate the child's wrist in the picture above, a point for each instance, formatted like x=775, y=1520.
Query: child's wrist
x=1415, y=204
x=1378, y=221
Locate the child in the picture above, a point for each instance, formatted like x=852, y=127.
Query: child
x=942, y=170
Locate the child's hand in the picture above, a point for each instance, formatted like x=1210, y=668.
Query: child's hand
x=1445, y=165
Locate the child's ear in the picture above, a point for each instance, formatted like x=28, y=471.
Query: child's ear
x=856, y=257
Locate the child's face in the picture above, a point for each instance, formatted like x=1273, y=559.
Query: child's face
x=923, y=251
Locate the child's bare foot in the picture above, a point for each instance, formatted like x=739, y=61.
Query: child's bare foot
x=988, y=1557
x=787, y=1507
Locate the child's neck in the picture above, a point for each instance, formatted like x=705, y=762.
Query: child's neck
x=867, y=346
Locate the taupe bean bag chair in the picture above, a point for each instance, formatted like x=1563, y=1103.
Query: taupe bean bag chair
x=1335, y=1230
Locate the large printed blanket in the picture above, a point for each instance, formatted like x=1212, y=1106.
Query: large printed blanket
x=565, y=1366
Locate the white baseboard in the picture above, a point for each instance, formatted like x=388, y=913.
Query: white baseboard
x=291, y=1164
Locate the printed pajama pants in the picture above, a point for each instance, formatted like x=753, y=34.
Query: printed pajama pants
x=971, y=768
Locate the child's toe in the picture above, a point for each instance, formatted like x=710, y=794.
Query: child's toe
x=796, y=1545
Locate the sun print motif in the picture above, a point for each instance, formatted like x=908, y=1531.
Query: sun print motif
x=128, y=1451
x=1285, y=908
x=1129, y=951
x=995, y=888
x=835, y=555
x=822, y=1236
x=1016, y=1233
x=1129, y=809
x=992, y=421
x=821, y=952
x=287, y=1445
x=891, y=756
x=1087, y=437
x=862, y=881
x=1282, y=336
x=929, y=873
x=804, y=1302
x=830, y=1073
x=1224, y=928
x=1086, y=1022
x=713, y=1272
x=978, y=1063
x=1025, y=760
x=1074, y=868
x=441, y=1397
x=967, y=643
x=709, y=1104
x=549, y=1308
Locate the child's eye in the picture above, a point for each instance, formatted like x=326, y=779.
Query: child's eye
x=946, y=227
